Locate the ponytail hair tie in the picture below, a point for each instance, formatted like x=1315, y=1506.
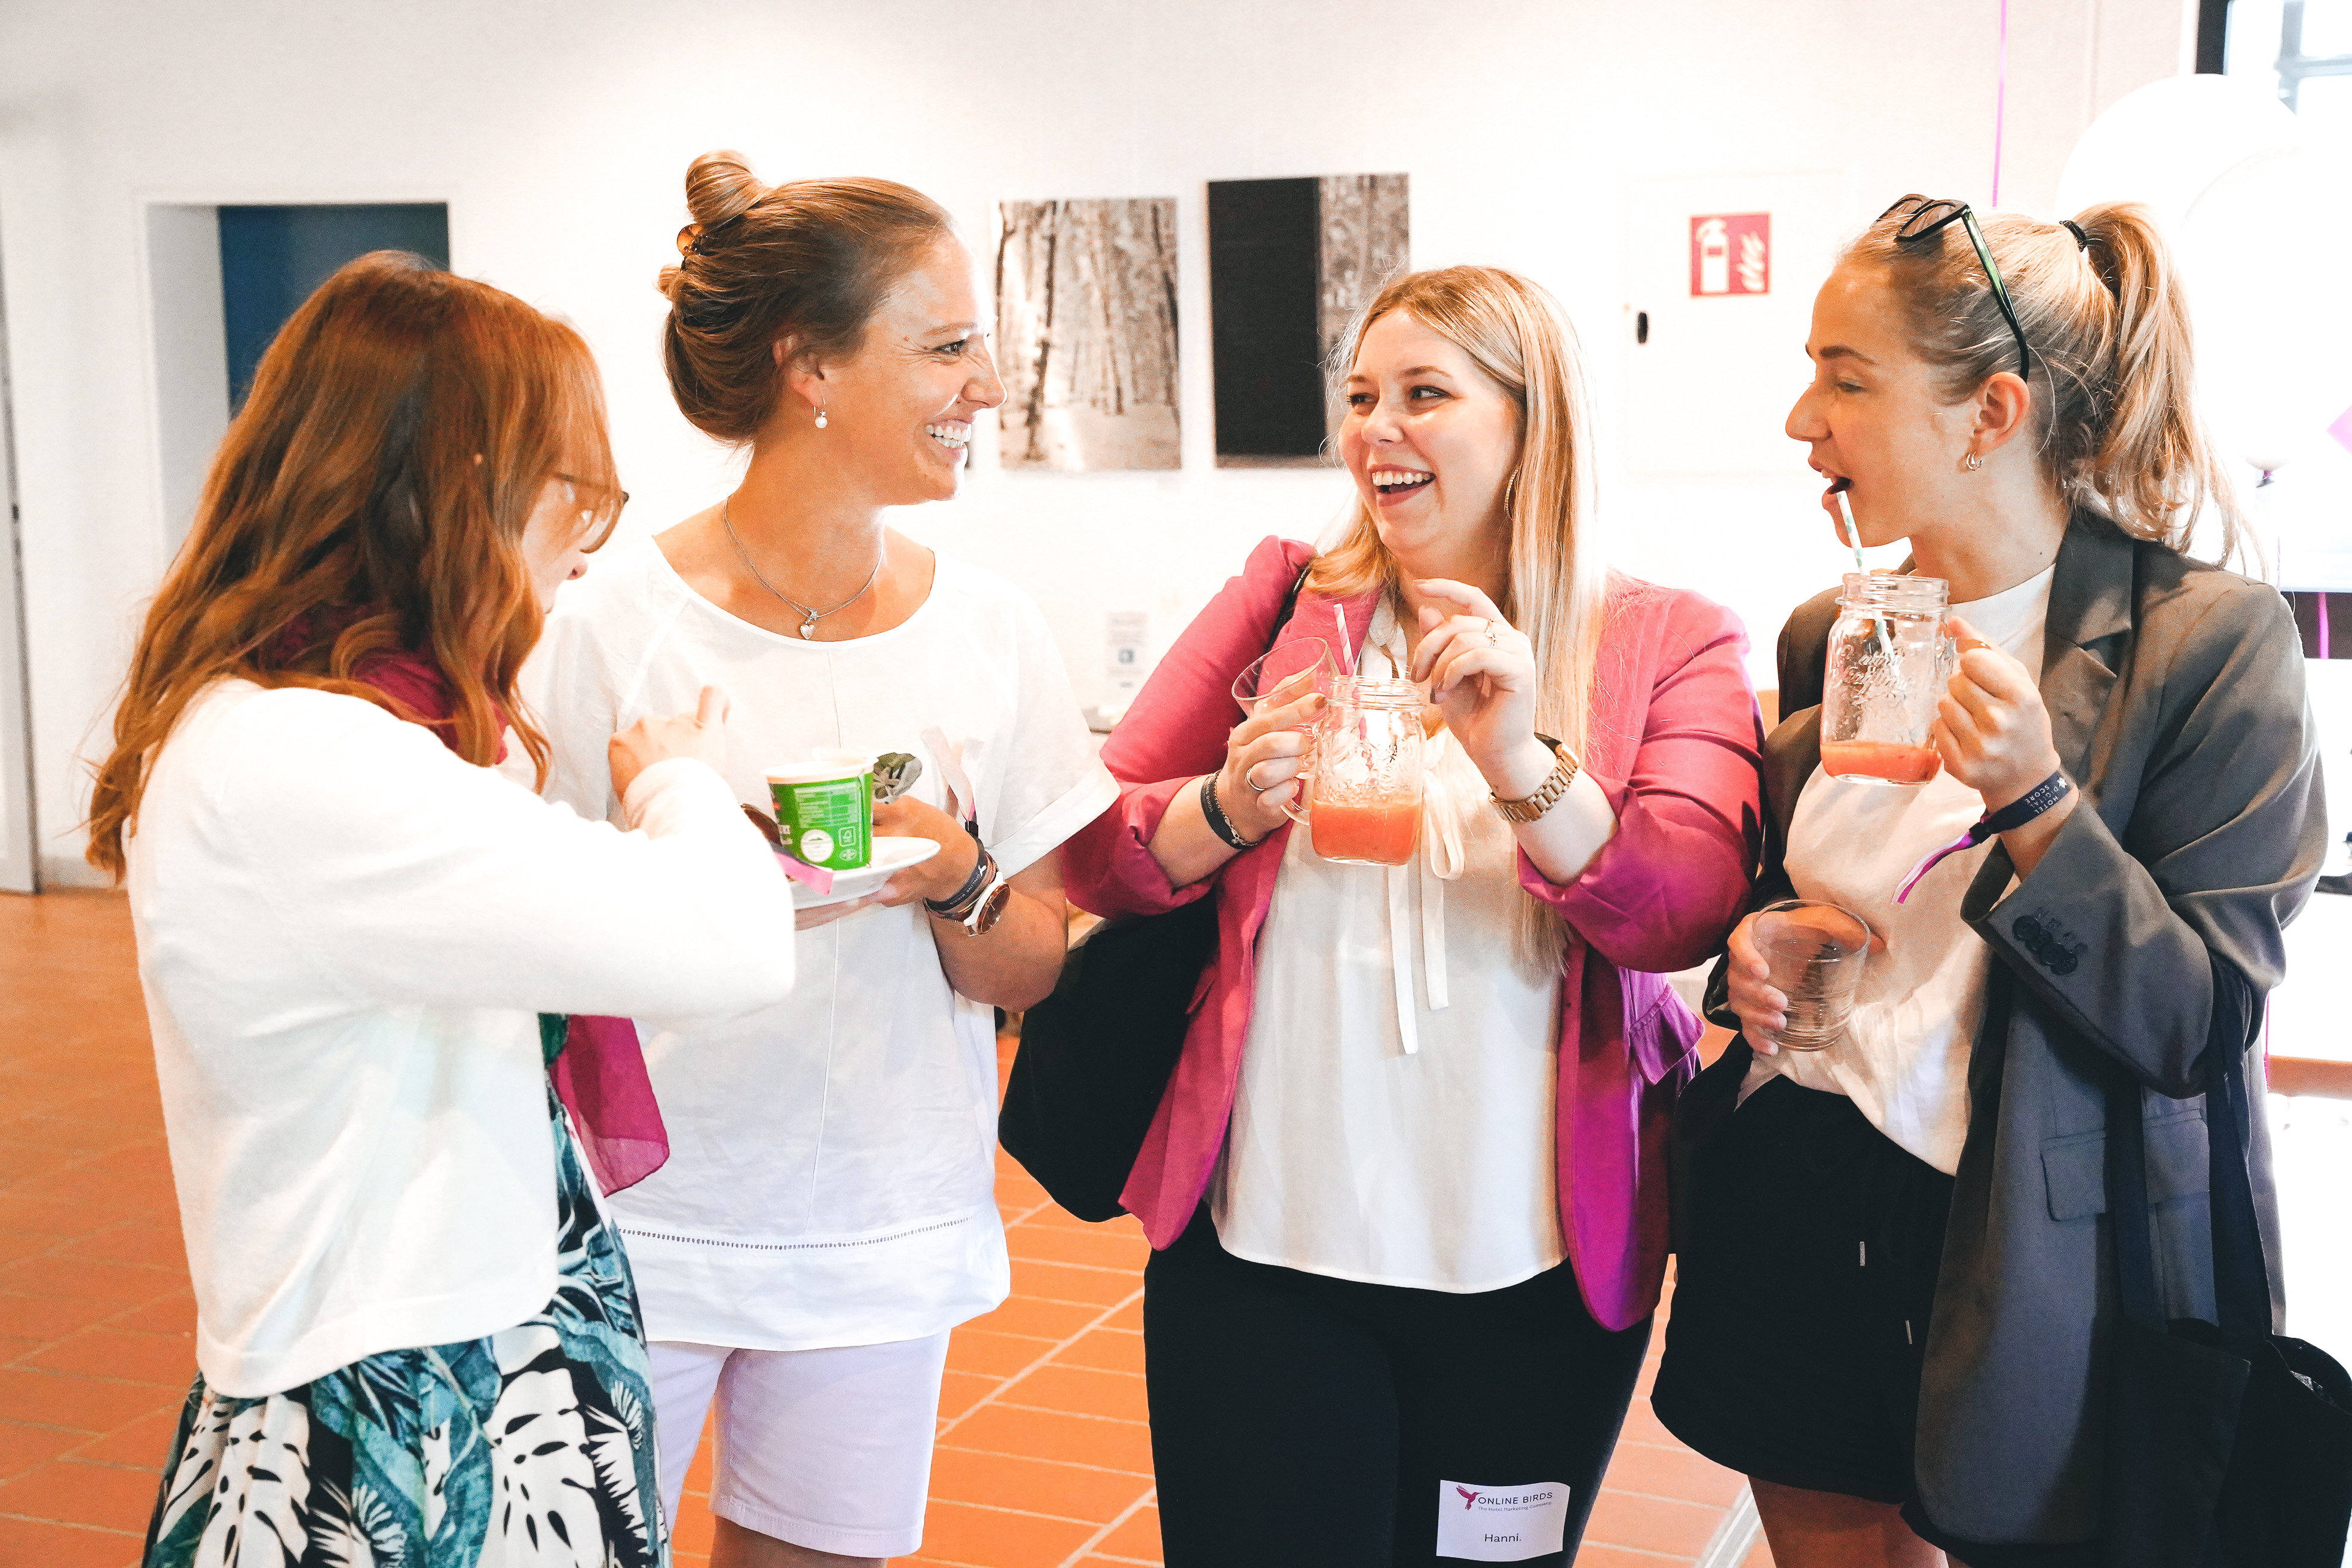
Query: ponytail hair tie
x=2082, y=240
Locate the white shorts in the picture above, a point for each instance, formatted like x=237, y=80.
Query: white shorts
x=829, y=1449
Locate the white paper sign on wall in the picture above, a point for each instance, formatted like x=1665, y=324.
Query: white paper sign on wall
x=1721, y=269
x=1500, y=1524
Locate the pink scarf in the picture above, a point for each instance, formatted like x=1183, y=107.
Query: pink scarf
x=600, y=1075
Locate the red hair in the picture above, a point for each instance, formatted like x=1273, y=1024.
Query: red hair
x=371, y=499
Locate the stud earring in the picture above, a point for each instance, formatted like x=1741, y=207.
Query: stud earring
x=1971, y=462
x=820, y=418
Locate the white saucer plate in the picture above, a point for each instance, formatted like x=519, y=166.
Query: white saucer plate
x=890, y=854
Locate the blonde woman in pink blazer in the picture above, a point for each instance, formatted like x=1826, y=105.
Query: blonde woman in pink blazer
x=1407, y=1185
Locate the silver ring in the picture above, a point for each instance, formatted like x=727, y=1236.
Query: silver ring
x=1255, y=787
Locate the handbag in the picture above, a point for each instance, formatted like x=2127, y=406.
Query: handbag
x=1094, y=1057
x=2228, y=1445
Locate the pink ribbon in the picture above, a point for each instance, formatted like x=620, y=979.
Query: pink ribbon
x=817, y=878
x=1975, y=836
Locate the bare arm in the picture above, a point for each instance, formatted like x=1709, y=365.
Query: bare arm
x=1262, y=758
x=1016, y=964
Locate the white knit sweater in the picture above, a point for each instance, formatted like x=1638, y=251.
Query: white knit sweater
x=345, y=934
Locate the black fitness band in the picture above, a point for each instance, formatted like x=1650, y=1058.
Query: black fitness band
x=1219, y=823
x=2016, y=813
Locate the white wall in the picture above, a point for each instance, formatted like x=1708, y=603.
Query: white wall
x=558, y=135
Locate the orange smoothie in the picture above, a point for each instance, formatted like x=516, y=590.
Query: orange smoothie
x=1881, y=759
x=1382, y=833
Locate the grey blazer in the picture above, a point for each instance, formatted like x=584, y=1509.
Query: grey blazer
x=2175, y=699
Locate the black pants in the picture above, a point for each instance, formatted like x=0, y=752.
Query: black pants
x=1299, y=1421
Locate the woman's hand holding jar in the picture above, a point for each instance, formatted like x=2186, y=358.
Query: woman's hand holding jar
x=1993, y=732
x=1265, y=756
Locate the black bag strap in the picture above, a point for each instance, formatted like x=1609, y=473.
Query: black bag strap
x=2241, y=1277
x=1290, y=608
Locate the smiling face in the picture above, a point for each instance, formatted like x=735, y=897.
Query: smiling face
x=1871, y=417
x=900, y=411
x=1431, y=441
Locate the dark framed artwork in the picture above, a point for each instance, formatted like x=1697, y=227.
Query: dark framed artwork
x=1290, y=264
x=1086, y=334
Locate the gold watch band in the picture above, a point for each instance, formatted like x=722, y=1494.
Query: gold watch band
x=1564, y=768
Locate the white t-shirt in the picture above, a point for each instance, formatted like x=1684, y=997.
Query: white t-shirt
x=345, y=937
x=831, y=1165
x=1905, y=1058
x=1394, y=1118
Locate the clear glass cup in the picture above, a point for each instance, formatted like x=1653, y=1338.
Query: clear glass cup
x=1285, y=674
x=1889, y=659
x=1816, y=952
x=1363, y=799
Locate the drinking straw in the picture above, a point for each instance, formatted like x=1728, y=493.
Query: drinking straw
x=1885, y=645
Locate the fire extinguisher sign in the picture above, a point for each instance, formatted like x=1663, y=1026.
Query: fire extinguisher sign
x=1731, y=253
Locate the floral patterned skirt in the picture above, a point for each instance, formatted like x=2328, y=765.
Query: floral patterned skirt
x=532, y=1445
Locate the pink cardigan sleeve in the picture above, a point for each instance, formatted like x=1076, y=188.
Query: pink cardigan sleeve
x=1663, y=893
x=1175, y=732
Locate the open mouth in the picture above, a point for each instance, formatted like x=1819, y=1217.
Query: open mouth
x=1393, y=483
x=955, y=435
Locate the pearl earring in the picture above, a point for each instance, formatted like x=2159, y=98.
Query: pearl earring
x=820, y=418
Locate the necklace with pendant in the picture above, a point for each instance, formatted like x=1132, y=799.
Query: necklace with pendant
x=810, y=617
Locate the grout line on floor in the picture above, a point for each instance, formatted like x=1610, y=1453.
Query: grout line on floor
x=994, y=1395
x=1151, y=1498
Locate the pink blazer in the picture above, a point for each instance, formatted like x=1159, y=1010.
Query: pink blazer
x=1675, y=740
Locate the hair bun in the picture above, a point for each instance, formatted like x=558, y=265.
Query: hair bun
x=719, y=186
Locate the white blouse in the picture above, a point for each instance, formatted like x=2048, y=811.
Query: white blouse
x=831, y=1171
x=1904, y=1059
x=1394, y=1118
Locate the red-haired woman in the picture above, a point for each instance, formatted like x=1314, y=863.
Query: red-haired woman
x=1892, y=1308
x=416, y=1334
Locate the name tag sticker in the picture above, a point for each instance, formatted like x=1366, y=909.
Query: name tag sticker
x=1500, y=1524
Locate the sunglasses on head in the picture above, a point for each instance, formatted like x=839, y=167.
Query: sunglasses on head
x=1929, y=219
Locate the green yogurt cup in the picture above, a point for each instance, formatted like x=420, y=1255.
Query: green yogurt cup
x=824, y=812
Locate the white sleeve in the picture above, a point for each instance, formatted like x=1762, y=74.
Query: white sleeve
x=568, y=688
x=1047, y=781
x=410, y=878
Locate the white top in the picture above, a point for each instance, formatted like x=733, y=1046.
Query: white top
x=345, y=934
x=1394, y=1118
x=831, y=1171
x=1905, y=1058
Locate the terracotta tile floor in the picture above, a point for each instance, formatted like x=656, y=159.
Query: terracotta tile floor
x=1045, y=1460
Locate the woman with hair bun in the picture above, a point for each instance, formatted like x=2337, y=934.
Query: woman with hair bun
x=416, y=1338
x=1895, y=1292
x=828, y=1213
x=1407, y=1182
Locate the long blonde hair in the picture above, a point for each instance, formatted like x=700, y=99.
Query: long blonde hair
x=2114, y=373
x=1555, y=582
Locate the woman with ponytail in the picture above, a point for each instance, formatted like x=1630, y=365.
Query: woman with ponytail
x=1407, y=1182
x=1895, y=1290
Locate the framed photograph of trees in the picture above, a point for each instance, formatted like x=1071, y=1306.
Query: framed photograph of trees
x=1086, y=334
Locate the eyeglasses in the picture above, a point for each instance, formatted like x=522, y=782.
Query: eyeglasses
x=1931, y=218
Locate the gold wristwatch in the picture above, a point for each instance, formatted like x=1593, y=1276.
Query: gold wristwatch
x=1564, y=768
